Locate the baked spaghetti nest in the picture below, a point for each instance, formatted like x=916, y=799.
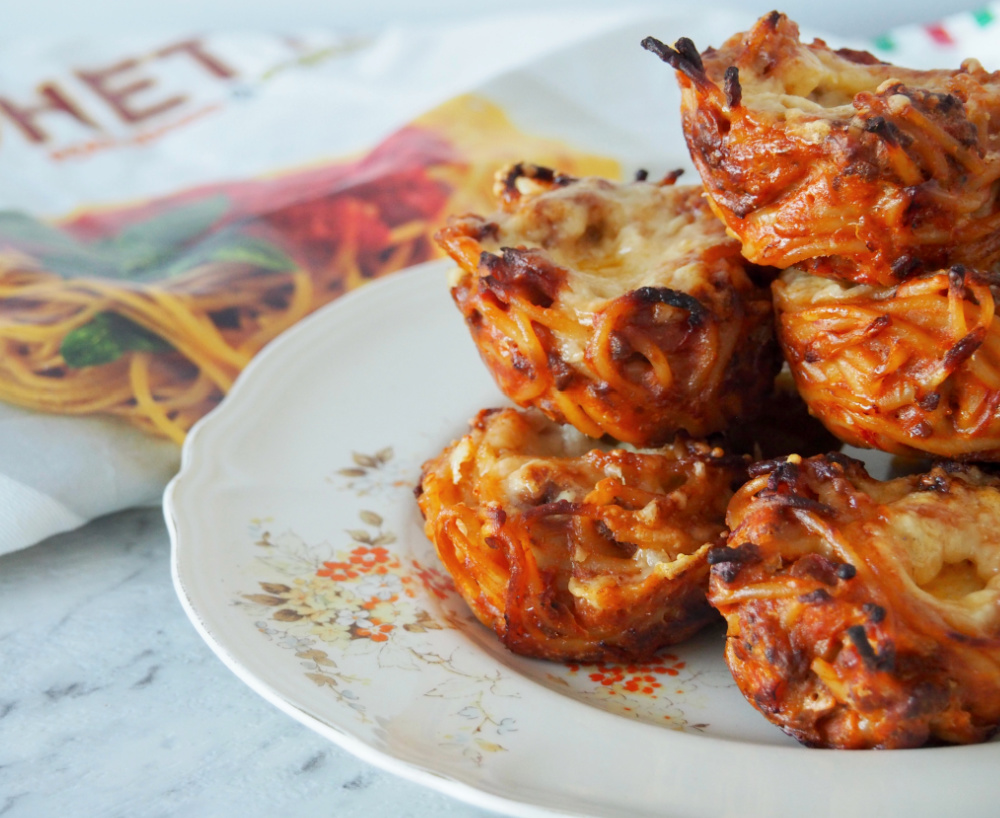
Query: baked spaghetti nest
x=912, y=369
x=576, y=553
x=864, y=613
x=622, y=309
x=865, y=170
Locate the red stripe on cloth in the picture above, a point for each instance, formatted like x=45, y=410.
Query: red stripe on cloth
x=939, y=34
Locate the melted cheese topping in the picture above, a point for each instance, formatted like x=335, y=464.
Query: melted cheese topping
x=784, y=77
x=525, y=451
x=801, y=288
x=615, y=238
x=525, y=460
x=946, y=545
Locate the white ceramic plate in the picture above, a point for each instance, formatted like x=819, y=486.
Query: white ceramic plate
x=299, y=556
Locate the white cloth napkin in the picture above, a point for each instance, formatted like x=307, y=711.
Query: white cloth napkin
x=57, y=472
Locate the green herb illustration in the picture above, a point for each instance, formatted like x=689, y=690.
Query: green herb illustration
x=170, y=244
x=105, y=338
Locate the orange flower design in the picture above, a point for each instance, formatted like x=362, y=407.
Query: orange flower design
x=642, y=679
x=366, y=558
x=377, y=633
x=437, y=582
x=337, y=571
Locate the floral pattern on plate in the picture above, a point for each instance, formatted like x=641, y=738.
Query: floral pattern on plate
x=449, y=707
x=366, y=603
x=370, y=597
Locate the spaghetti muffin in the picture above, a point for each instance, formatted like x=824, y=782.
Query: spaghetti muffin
x=622, y=309
x=865, y=170
x=861, y=613
x=577, y=553
x=912, y=369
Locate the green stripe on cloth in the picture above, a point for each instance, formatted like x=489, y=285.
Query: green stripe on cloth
x=983, y=16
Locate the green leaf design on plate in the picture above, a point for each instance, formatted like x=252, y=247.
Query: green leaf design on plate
x=105, y=338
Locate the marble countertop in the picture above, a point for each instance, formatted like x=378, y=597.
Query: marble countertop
x=111, y=704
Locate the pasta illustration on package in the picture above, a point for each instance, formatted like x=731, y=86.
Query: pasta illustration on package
x=149, y=311
x=171, y=205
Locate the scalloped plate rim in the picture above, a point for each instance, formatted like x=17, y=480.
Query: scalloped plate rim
x=210, y=433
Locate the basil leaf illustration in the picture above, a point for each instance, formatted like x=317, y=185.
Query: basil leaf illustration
x=26, y=231
x=142, y=248
x=255, y=252
x=232, y=247
x=56, y=250
x=138, y=252
x=105, y=338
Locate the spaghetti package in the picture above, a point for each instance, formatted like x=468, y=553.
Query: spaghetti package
x=147, y=308
x=172, y=204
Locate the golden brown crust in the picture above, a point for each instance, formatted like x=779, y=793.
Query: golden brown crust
x=865, y=170
x=864, y=613
x=912, y=369
x=621, y=309
x=574, y=553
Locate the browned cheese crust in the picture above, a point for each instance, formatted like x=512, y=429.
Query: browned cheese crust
x=575, y=553
x=864, y=614
x=912, y=369
x=622, y=309
x=870, y=171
